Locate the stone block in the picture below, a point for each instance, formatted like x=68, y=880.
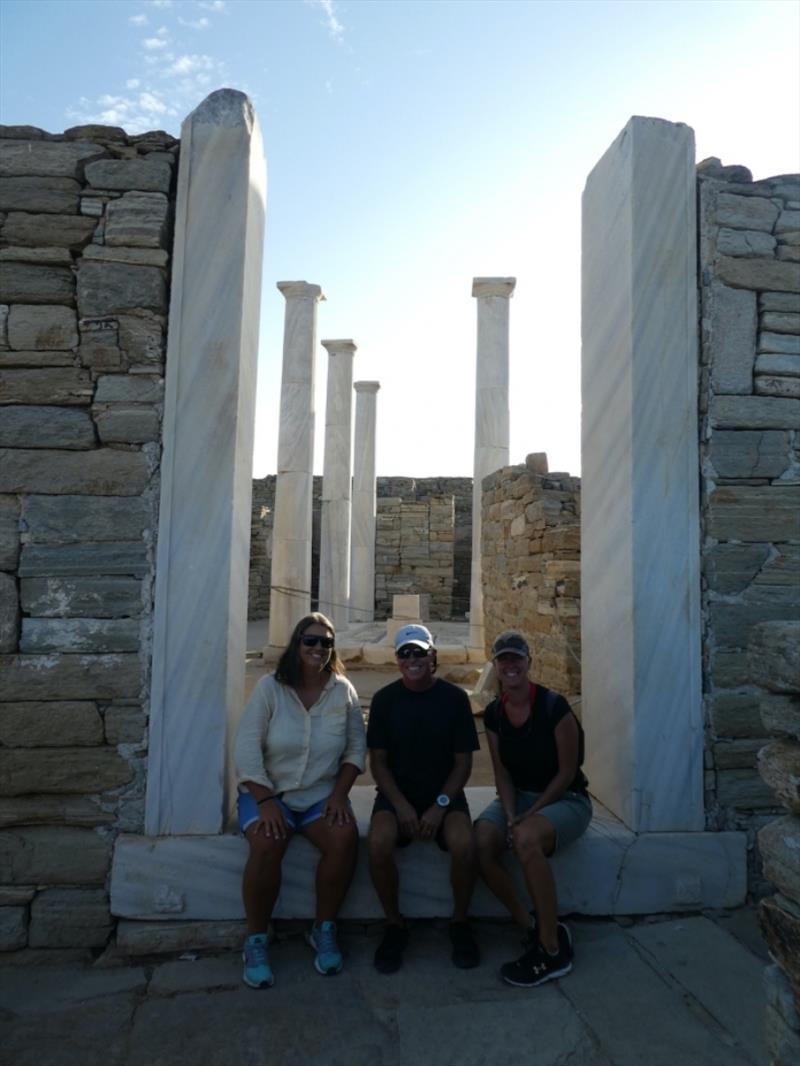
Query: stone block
x=31, y=283
x=123, y=388
x=736, y=714
x=118, y=254
x=788, y=387
x=44, y=254
x=781, y=321
x=60, y=770
x=59, y=856
x=87, y=597
x=749, y=454
x=47, y=159
x=754, y=513
x=46, y=427
x=16, y=895
x=743, y=212
x=9, y=613
x=754, y=412
x=137, y=220
x=89, y=559
x=108, y=288
x=157, y=938
x=104, y=472
x=744, y=790
x=779, y=765
x=14, y=358
x=788, y=222
x=52, y=385
x=3, y=326
x=741, y=242
x=50, y=231
x=77, y=519
x=128, y=425
x=779, y=918
x=54, y=195
x=759, y=274
x=779, y=301
x=70, y=677
x=774, y=655
x=32, y=326
x=776, y=363
x=52, y=810
x=784, y=343
x=86, y=635
x=780, y=714
x=143, y=175
x=13, y=928
x=737, y=754
x=779, y=845
x=141, y=339
x=53, y=724
x=729, y=568
x=9, y=532
x=733, y=623
x=70, y=918
x=124, y=724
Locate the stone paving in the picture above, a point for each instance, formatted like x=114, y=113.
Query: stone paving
x=680, y=991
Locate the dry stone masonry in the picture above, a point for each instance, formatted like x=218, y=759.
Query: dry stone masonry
x=85, y=223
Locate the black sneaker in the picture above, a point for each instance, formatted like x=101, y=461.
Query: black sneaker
x=389, y=953
x=531, y=938
x=535, y=967
x=465, y=951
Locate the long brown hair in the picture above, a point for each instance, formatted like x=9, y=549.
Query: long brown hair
x=289, y=671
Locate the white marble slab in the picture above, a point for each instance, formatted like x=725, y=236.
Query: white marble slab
x=199, y=640
x=640, y=530
x=362, y=531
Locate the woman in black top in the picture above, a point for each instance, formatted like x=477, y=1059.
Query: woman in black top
x=542, y=805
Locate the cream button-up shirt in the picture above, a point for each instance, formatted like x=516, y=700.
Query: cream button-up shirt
x=298, y=752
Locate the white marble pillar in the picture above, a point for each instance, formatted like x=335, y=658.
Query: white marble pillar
x=491, y=421
x=334, y=545
x=640, y=528
x=202, y=564
x=290, y=573
x=362, y=552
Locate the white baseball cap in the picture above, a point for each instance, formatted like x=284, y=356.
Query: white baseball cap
x=413, y=634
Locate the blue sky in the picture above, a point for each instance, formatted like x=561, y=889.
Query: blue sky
x=413, y=145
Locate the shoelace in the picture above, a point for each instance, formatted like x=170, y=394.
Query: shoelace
x=326, y=940
x=256, y=953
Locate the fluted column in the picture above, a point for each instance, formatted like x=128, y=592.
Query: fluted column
x=491, y=420
x=334, y=547
x=290, y=575
x=362, y=552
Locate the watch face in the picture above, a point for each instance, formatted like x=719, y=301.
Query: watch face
x=443, y=801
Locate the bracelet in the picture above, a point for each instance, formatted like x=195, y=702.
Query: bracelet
x=266, y=799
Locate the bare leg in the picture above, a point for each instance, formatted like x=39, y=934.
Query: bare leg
x=534, y=839
x=491, y=843
x=460, y=841
x=338, y=845
x=381, y=842
x=261, y=881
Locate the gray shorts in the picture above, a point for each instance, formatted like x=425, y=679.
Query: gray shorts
x=569, y=816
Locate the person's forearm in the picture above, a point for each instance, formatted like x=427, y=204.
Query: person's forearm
x=505, y=790
x=259, y=792
x=345, y=779
x=386, y=783
x=457, y=778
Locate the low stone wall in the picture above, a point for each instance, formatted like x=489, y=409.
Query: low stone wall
x=530, y=546
x=85, y=239
x=750, y=470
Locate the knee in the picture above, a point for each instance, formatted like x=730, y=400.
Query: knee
x=265, y=851
x=527, y=845
x=461, y=846
x=380, y=847
x=487, y=843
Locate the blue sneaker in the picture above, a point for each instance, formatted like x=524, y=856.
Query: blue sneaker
x=322, y=939
x=257, y=971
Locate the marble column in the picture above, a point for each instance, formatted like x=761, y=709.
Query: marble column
x=362, y=552
x=334, y=546
x=202, y=563
x=491, y=421
x=640, y=527
x=290, y=574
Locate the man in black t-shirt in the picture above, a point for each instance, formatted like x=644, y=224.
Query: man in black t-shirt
x=421, y=736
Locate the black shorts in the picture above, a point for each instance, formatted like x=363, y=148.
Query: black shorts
x=458, y=803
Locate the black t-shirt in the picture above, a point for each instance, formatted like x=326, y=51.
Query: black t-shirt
x=529, y=752
x=420, y=733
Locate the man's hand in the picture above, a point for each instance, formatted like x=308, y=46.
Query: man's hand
x=430, y=821
x=271, y=821
x=407, y=819
x=337, y=809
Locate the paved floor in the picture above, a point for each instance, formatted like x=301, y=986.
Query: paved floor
x=679, y=992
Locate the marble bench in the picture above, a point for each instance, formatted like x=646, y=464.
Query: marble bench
x=610, y=870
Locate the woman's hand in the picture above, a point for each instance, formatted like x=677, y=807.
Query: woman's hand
x=337, y=809
x=271, y=821
x=521, y=817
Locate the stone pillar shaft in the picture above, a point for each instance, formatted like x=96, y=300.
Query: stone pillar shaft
x=362, y=554
x=491, y=420
x=290, y=574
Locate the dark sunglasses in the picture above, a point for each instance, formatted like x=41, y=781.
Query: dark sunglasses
x=412, y=652
x=311, y=641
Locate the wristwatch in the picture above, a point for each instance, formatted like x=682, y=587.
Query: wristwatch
x=443, y=800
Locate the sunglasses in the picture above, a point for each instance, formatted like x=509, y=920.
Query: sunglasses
x=412, y=652
x=310, y=641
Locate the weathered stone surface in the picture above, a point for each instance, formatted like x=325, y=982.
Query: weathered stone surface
x=779, y=301
x=754, y=512
x=124, y=388
x=782, y=1020
x=124, y=724
x=735, y=714
x=786, y=343
x=733, y=321
x=92, y=635
x=62, y=856
x=728, y=668
x=70, y=677
x=733, y=623
x=144, y=175
x=141, y=338
x=772, y=363
x=790, y=252
x=77, y=519
x=781, y=321
x=155, y=938
x=749, y=454
x=128, y=425
x=118, y=254
x=745, y=212
x=47, y=159
x=45, y=254
x=780, y=714
x=96, y=132
x=784, y=387
x=53, y=385
x=137, y=220
x=70, y=918
x=744, y=790
x=30, y=283
x=104, y=471
x=52, y=810
x=9, y=613
x=54, y=196
x=3, y=326
x=58, y=770
x=13, y=928
x=107, y=288
x=68, y=560
x=779, y=844
x=87, y=597
x=779, y=765
x=51, y=231
x=779, y=918
x=14, y=358
x=744, y=242
x=774, y=656
x=37, y=326
x=729, y=568
x=9, y=532
x=754, y=412
x=16, y=895
x=46, y=427
x=737, y=754
x=48, y=725
x=788, y=222
x=759, y=274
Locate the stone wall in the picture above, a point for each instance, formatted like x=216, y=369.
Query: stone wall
x=750, y=471
x=85, y=237
x=530, y=545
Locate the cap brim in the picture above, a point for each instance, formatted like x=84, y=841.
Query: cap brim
x=416, y=643
x=512, y=651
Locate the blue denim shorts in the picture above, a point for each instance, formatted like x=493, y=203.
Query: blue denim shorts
x=247, y=810
x=570, y=815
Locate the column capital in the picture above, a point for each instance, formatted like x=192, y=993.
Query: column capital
x=343, y=347
x=300, y=290
x=493, y=286
x=366, y=386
